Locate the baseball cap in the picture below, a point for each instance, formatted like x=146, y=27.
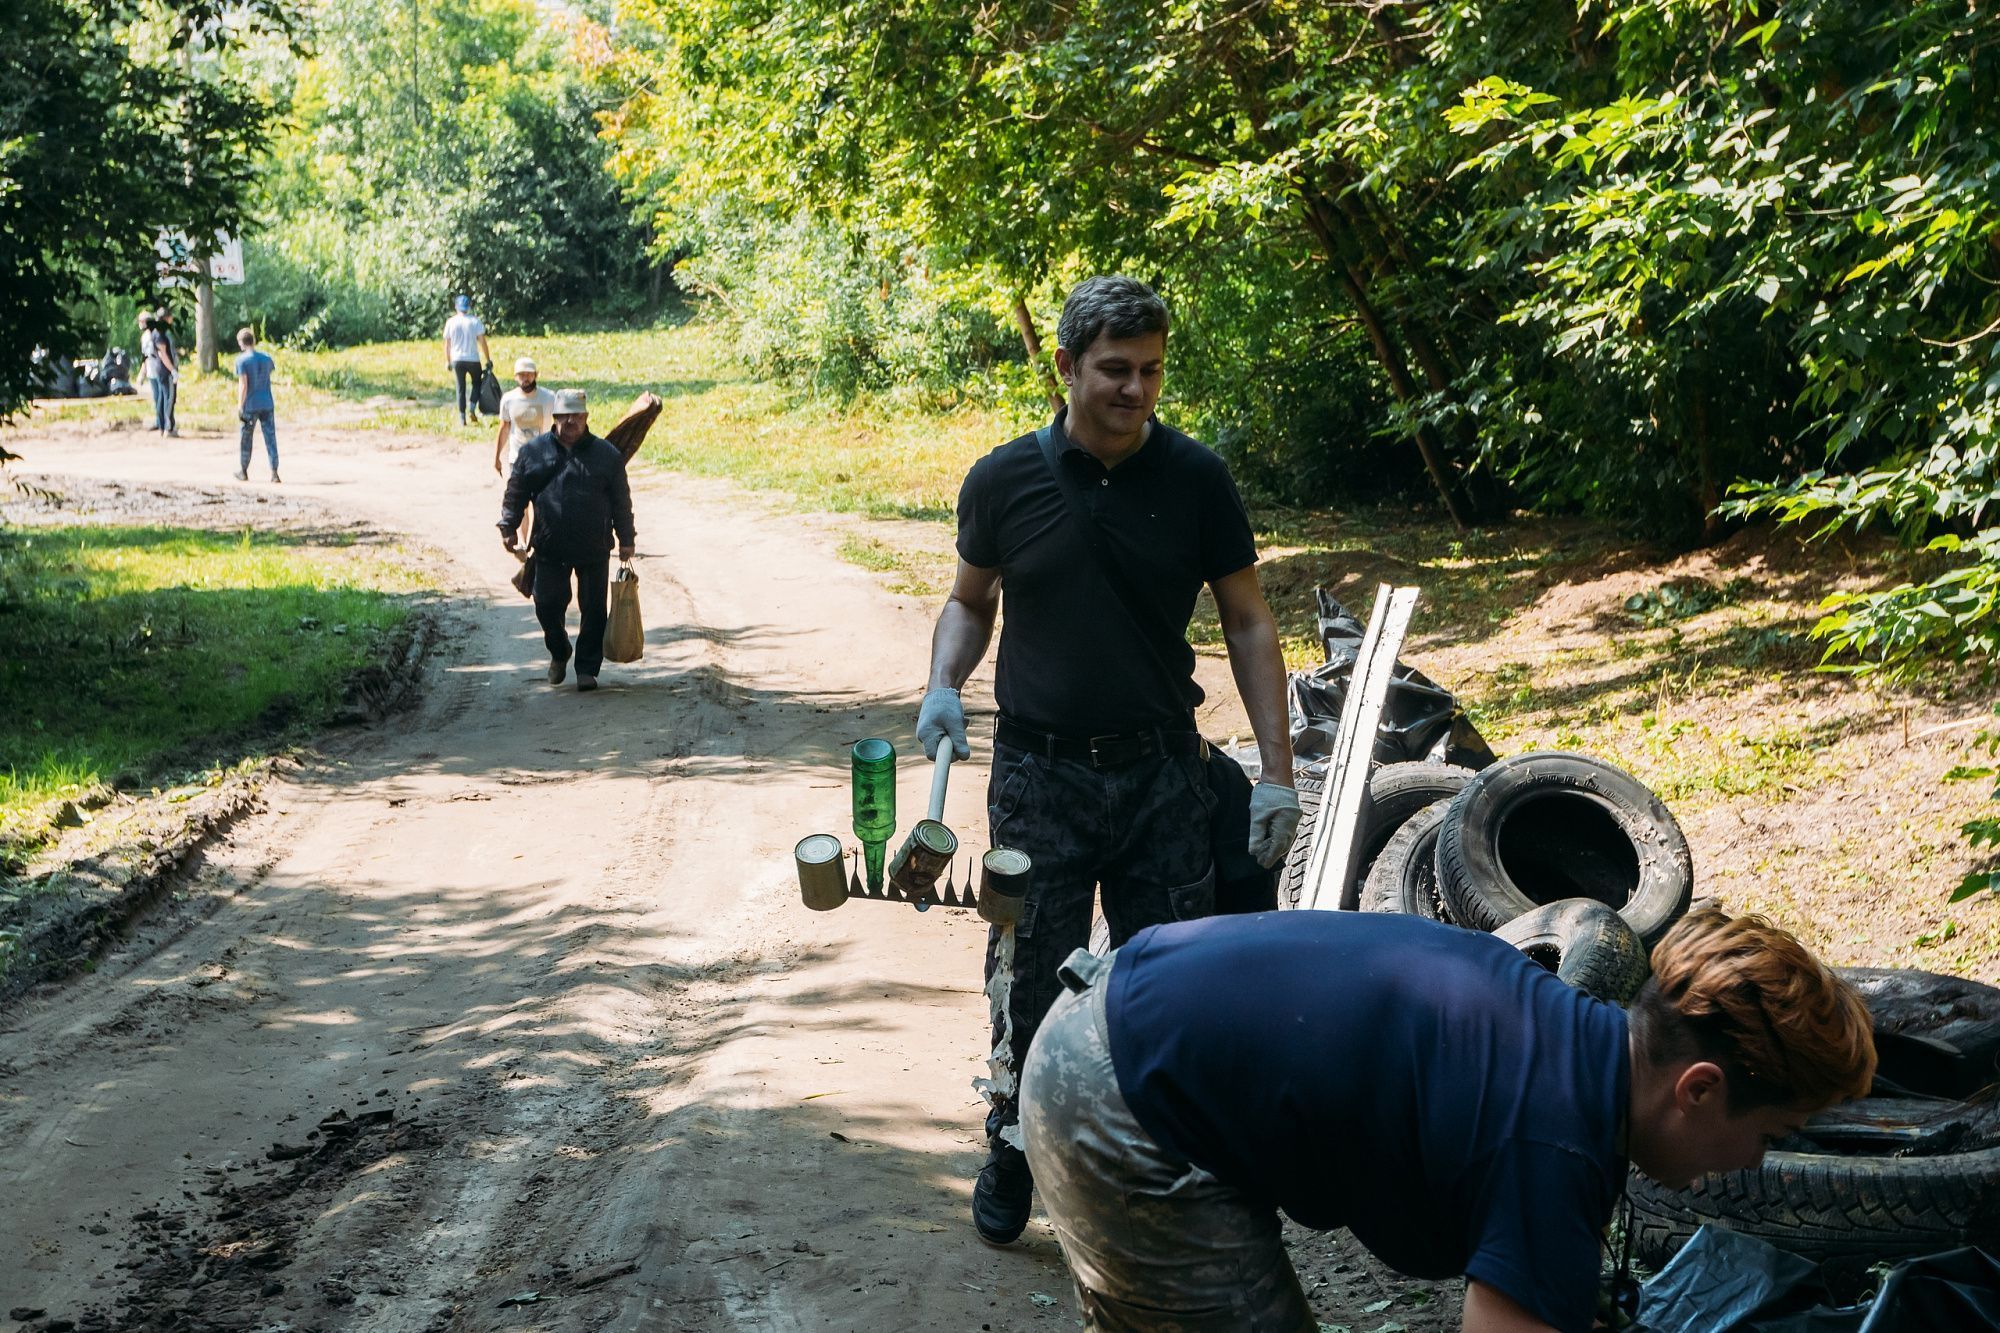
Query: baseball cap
x=463, y=303
x=569, y=402
x=525, y=366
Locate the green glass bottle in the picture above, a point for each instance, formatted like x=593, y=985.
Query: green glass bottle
x=874, y=803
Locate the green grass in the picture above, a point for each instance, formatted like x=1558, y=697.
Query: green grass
x=134, y=654
x=876, y=456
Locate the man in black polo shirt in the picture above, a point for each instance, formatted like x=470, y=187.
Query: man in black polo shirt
x=1098, y=772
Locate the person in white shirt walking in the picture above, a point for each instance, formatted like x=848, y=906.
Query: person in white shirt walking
x=466, y=353
x=526, y=410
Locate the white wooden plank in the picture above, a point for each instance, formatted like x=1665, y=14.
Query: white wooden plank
x=1332, y=865
x=1337, y=766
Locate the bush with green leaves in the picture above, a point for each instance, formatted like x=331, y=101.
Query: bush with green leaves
x=433, y=152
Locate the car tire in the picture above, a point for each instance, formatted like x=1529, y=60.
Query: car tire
x=1396, y=794
x=1585, y=944
x=1291, y=884
x=1846, y=1213
x=1545, y=826
x=1404, y=876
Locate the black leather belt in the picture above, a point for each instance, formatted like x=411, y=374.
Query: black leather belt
x=1108, y=751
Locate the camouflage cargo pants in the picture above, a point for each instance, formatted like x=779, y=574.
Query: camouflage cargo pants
x=1155, y=1244
x=1140, y=830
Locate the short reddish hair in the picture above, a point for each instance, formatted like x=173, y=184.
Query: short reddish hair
x=1747, y=996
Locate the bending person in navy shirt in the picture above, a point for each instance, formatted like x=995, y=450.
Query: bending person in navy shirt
x=1431, y=1089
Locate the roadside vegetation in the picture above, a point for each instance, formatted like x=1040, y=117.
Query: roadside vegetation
x=141, y=657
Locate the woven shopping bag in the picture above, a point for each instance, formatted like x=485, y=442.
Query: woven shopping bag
x=625, y=632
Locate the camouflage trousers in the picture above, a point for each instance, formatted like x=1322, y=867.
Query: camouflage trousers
x=1155, y=1244
x=1141, y=830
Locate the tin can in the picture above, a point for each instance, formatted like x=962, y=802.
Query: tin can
x=1003, y=884
x=822, y=866
x=923, y=857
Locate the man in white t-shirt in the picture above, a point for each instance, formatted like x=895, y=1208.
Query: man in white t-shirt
x=527, y=410
x=465, y=352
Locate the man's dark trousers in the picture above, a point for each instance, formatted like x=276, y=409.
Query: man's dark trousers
x=593, y=585
x=1140, y=829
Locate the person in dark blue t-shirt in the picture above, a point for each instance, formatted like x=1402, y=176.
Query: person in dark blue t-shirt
x=1431, y=1089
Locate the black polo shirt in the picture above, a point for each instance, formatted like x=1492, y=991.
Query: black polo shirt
x=1071, y=660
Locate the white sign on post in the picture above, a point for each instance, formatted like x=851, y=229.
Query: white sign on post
x=177, y=266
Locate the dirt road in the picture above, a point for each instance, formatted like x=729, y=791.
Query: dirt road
x=630, y=1082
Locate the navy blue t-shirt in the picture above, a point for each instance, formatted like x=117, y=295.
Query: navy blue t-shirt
x=1431, y=1089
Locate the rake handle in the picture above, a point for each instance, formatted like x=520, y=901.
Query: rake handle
x=939, y=772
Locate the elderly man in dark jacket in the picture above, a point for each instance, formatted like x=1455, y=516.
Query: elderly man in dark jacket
x=576, y=481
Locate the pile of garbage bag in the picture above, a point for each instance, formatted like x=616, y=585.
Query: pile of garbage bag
x=57, y=376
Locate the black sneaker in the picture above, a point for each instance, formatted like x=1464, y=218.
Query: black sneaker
x=1003, y=1195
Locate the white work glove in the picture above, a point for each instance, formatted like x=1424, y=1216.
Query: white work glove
x=1274, y=822
x=942, y=716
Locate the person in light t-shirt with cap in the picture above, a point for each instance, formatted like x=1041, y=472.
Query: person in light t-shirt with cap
x=526, y=410
x=466, y=354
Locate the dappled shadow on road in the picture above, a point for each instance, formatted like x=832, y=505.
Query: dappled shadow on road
x=682, y=711
x=586, y=1077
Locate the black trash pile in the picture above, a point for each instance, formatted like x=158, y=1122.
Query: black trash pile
x=1567, y=857
x=1578, y=864
x=57, y=376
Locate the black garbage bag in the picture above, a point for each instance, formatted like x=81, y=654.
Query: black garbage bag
x=49, y=375
x=1420, y=719
x=489, y=391
x=1958, y=1290
x=116, y=371
x=1727, y=1282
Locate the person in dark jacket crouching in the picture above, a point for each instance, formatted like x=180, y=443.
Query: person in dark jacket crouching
x=1431, y=1089
x=576, y=482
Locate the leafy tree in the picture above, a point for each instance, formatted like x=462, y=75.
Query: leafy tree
x=441, y=149
x=117, y=118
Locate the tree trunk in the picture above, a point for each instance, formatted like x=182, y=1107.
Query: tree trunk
x=1394, y=366
x=204, y=320
x=1033, y=343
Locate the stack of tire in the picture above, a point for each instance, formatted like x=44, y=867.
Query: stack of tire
x=1581, y=867
x=1566, y=857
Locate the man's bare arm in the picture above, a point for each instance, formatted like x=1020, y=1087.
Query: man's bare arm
x=1258, y=664
x=1490, y=1310
x=965, y=626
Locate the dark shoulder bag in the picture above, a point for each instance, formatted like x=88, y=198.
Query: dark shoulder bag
x=524, y=577
x=1241, y=884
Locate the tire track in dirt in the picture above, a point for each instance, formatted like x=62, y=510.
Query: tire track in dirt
x=556, y=935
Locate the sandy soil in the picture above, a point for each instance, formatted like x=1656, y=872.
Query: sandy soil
x=506, y=1014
